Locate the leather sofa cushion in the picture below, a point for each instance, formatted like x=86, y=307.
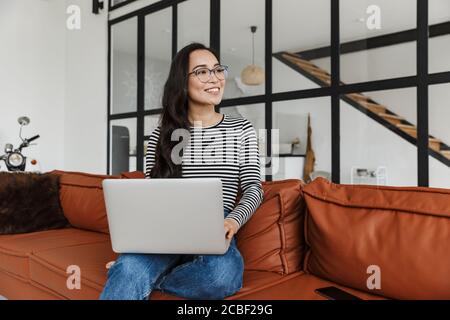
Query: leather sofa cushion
x=252, y=281
x=49, y=268
x=272, y=239
x=16, y=249
x=404, y=231
x=16, y=288
x=300, y=286
x=81, y=197
x=270, y=286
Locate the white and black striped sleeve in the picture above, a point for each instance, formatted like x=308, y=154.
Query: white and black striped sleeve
x=151, y=151
x=249, y=176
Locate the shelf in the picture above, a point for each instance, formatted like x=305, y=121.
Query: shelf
x=286, y=155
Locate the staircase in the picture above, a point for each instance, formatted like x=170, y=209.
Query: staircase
x=378, y=112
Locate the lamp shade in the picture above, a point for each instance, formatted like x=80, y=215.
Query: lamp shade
x=252, y=75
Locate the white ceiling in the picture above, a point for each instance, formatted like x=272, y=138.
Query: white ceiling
x=236, y=36
x=297, y=24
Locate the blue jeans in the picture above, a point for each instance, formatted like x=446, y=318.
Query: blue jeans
x=135, y=276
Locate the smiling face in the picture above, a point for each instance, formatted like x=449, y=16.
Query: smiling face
x=211, y=92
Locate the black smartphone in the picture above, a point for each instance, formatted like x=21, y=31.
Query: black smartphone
x=334, y=293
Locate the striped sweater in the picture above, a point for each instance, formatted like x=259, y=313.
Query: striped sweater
x=227, y=150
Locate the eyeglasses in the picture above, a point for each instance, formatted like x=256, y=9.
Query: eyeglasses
x=204, y=74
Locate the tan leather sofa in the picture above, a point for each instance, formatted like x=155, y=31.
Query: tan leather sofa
x=373, y=242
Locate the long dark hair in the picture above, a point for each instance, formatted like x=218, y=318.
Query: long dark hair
x=175, y=112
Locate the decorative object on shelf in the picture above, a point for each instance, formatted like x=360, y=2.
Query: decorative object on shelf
x=252, y=74
x=14, y=159
x=373, y=176
x=295, y=146
x=310, y=156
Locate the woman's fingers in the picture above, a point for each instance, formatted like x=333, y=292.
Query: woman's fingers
x=230, y=228
x=228, y=232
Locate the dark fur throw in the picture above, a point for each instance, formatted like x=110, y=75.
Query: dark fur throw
x=30, y=202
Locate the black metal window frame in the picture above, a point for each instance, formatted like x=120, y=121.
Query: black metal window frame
x=421, y=81
x=119, y=5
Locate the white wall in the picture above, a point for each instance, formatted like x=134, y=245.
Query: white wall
x=85, y=127
x=367, y=144
x=32, y=63
x=58, y=78
x=439, y=110
x=439, y=174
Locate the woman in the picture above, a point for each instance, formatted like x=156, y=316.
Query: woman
x=218, y=146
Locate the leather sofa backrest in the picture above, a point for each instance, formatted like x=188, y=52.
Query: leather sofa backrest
x=397, y=238
x=81, y=196
x=273, y=240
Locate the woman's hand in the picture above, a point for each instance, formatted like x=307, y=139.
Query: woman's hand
x=231, y=227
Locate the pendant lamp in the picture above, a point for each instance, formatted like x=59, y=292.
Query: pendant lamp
x=253, y=75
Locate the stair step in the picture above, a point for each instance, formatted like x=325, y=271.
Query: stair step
x=446, y=153
x=322, y=76
x=306, y=67
x=391, y=118
x=303, y=66
x=434, y=144
x=374, y=107
x=409, y=129
x=358, y=97
x=320, y=72
x=298, y=60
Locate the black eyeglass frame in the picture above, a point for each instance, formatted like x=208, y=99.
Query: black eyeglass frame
x=225, y=67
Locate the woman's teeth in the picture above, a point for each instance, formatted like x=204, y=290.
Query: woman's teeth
x=212, y=90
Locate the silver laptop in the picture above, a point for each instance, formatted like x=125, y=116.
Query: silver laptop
x=172, y=216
